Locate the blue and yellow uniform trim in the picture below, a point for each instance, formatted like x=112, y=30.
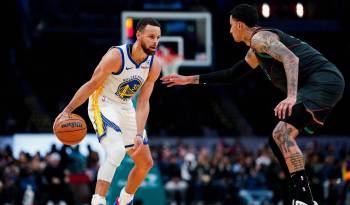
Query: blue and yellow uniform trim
x=101, y=121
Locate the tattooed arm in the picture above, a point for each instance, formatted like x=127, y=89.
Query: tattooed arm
x=239, y=70
x=269, y=43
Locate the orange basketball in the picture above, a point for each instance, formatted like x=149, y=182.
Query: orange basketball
x=70, y=131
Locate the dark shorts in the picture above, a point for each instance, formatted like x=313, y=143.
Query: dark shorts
x=307, y=120
x=315, y=100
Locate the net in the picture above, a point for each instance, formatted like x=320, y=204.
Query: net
x=170, y=62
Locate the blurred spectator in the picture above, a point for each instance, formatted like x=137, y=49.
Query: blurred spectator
x=77, y=164
x=56, y=181
x=221, y=174
x=10, y=189
x=203, y=177
x=92, y=165
x=176, y=187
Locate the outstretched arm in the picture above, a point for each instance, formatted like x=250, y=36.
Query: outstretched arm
x=233, y=74
x=268, y=42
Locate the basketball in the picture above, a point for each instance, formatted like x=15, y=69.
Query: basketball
x=70, y=131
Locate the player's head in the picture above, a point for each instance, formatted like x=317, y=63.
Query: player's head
x=148, y=34
x=242, y=17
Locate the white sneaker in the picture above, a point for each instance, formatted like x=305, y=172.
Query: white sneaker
x=297, y=202
x=98, y=200
x=118, y=202
x=124, y=198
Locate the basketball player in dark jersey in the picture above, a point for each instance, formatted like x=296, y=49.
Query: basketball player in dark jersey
x=313, y=86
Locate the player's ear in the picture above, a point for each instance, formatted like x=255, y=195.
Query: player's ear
x=138, y=34
x=239, y=24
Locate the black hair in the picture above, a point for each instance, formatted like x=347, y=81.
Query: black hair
x=146, y=21
x=246, y=13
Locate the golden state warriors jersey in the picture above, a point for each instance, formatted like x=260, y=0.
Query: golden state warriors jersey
x=120, y=87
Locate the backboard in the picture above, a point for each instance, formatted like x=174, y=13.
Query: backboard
x=188, y=34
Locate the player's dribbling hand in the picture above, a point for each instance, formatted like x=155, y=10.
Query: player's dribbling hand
x=285, y=106
x=138, y=143
x=175, y=79
x=63, y=115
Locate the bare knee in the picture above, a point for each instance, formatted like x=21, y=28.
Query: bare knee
x=284, y=130
x=284, y=135
x=145, y=164
x=143, y=160
x=149, y=164
x=277, y=133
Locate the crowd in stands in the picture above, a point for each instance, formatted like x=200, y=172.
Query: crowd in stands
x=234, y=175
x=191, y=174
x=53, y=178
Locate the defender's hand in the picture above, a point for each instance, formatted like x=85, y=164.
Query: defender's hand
x=285, y=106
x=175, y=79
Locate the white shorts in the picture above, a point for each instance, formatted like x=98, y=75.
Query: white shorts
x=104, y=113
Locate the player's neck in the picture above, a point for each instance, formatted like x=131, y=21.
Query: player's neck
x=248, y=36
x=137, y=53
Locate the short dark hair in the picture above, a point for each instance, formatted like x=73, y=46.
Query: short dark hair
x=146, y=21
x=246, y=13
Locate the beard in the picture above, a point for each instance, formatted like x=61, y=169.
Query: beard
x=147, y=50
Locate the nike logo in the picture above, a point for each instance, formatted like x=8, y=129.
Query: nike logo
x=128, y=68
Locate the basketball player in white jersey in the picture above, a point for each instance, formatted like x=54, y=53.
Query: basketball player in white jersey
x=123, y=71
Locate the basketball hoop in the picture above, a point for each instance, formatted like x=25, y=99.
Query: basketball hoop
x=170, y=62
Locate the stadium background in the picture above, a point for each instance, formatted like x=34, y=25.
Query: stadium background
x=50, y=48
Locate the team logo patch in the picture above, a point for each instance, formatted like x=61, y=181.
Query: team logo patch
x=129, y=87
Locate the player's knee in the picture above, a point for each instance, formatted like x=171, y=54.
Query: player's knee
x=146, y=164
x=115, y=155
x=149, y=164
x=278, y=132
x=106, y=171
x=114, y=147
x=275, y=136
x=284, y=130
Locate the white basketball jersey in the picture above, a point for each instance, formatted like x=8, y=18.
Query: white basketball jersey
x=120, y=87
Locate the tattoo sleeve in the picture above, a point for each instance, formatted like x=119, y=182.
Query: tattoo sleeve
x=268, y=42
x=283, y=137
